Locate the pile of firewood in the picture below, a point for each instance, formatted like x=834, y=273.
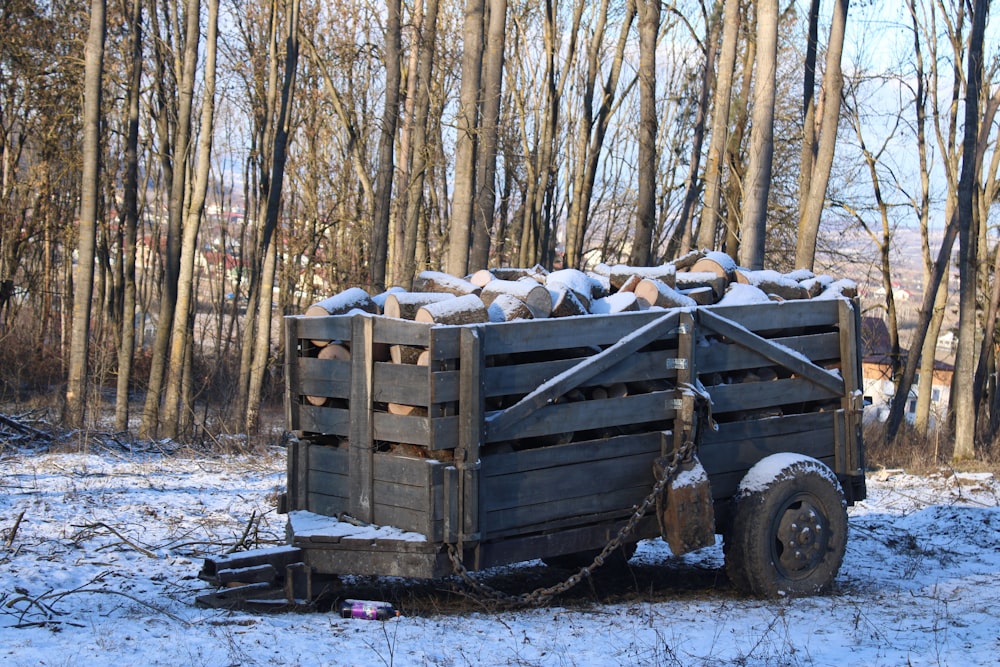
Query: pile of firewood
x=506, y=294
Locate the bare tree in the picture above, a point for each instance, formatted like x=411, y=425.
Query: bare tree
x=816, y=173
x=645, y=218
x=76, y=386
x=758, y=183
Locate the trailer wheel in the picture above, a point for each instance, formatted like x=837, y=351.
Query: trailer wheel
x=789, y=528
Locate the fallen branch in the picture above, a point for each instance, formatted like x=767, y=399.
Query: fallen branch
x=140, y=549
x=13, y=531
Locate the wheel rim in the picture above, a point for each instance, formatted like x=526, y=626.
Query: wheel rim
x=801, y=537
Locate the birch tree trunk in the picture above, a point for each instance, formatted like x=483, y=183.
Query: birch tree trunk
x=76, y=386
x=758, y=184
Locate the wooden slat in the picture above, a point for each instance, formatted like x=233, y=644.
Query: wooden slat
x=329, y=484
x=500, y=425
x=320, y=503
x=776, y=353
x=550, y=334
x=328, y=459
x=618, y=501
x=722, y=357
x=336, y=327
x=749, y=396
x=788, y=315
x=724, y=485
x=361, y=429
x=654, y=407
x=292, y=393
x=522, y=378
x=321, y=377
x=434, y=433
x=507, y=463
x=406, y=470
x=470, y=431
x=332, y=421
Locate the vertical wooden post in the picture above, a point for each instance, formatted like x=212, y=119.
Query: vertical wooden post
x=292, y=389
x=684, y=416
x=850, y=371
x=471, y=432
x=361, y=454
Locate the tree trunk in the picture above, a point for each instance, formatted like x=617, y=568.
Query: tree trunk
x=968, y=238
x=175, y=211
x=645, y=219
x=382, y=206
x=262, y=342
x=76, y=386
x=758, y=184
x=815, y=196
x=489, y=125
x=182, y=326
x=466, y=125
x=129, y=220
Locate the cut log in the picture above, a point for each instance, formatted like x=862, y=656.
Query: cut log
x=844, y=287
x=350, y=299
x=718, y=263
x=687, y=280
x=528, y=290
x=619, y=302
x=574, y=280
x=481, y=278
x=772, y=282
x=536, y=273
x=337, y=351
x=616, y=390
x=630, y=284
x=620, y=273
x=507, y=308
x=816, y=285
x=404, y=305
x=566, y=304
x=423, y=359
x=703, y=296
x=379, y=299
x=353, y=299
x=658, y=293
x=438, y=281
x=468, y=309
x=686, y=261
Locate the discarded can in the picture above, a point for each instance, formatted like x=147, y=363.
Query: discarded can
x=372, y=610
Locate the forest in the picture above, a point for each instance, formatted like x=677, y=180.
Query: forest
x=177, y=175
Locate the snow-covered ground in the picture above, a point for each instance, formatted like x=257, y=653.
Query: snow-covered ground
x=101, y=570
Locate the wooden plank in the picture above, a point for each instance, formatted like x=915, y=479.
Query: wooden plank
x=515, y=379
x=470, y=431
x=321, y=377
x=788, y=315
x=724, y=485
x=550, y=334
x=653, y=408
x=750, y=396
x=588, y=484
x=335, y=327
x=506, y=463
x=434, y=433
x=321, y=503
x=501, y=424
x=292, y=393
x=723, y=357
x=331, y=421
x=414, y=385
x=404, y=470
x=776, y=353
x=405, y=518
x=730, y=450
x=328, y=459
x=361, y=430
x=329, y=484
x=618, y=502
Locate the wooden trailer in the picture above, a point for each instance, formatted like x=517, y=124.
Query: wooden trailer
x=505, y=442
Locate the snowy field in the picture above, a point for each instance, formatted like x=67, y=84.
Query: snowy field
x=99, y=555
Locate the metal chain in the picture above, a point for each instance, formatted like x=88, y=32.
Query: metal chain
x=541, y=596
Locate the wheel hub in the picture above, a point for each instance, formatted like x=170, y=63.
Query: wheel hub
x=801, y=537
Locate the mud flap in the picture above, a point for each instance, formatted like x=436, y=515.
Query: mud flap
x=685, y=510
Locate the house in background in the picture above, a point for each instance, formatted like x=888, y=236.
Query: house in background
x=878, y=384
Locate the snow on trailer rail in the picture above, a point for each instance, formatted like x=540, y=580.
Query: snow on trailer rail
x=448, y=440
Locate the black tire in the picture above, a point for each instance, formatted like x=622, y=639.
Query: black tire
x=616, y=559
x=789, y=529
